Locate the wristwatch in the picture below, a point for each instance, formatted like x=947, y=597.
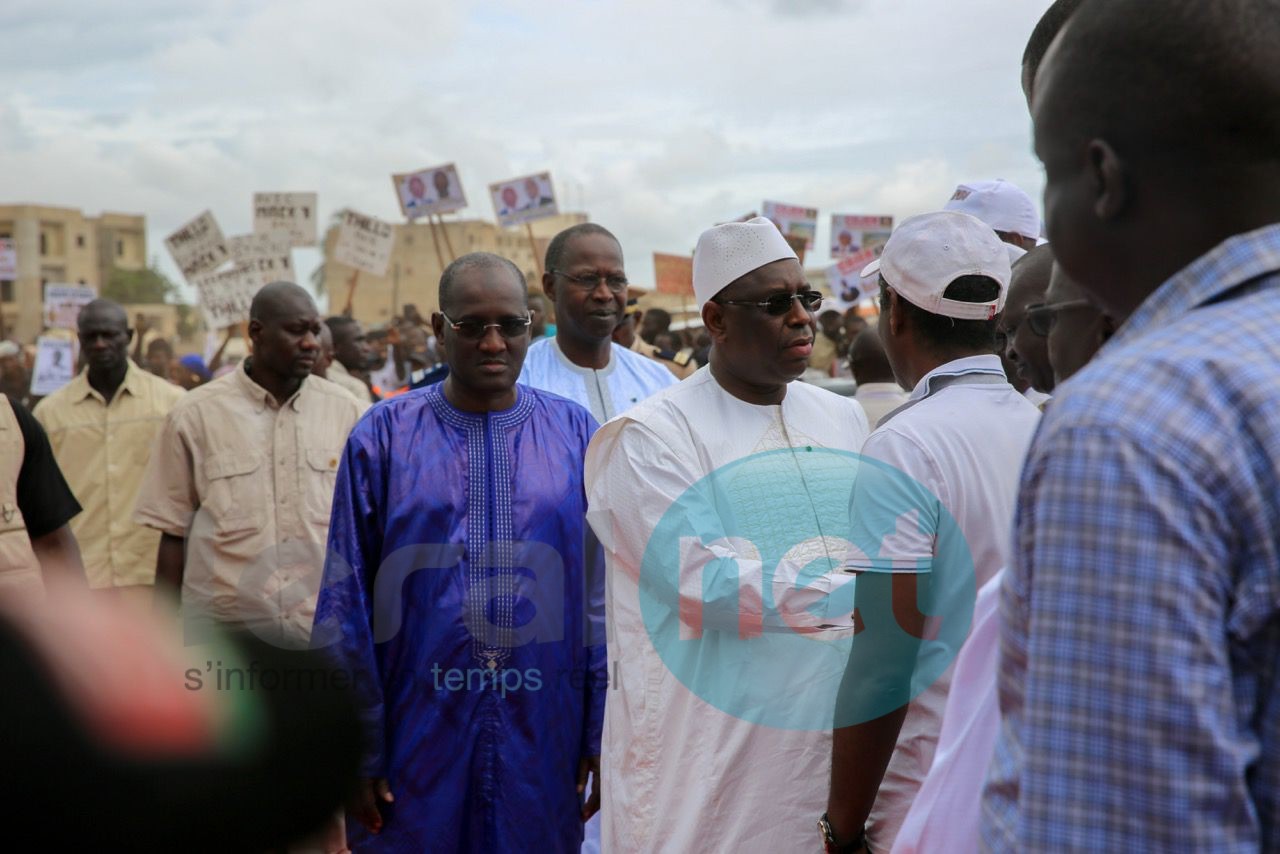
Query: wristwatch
x=831, y=846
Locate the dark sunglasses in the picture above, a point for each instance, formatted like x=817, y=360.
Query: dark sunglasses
x=779, y=304
x=508, y=327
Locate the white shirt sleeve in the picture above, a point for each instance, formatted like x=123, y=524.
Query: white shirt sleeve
x=896, y=509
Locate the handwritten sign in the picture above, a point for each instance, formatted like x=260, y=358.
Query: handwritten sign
x=268, y=254
x=62, y=304
x=521, y=200
x=365, y=243
x=673, y=274
x=198, y=246
x=291, y=215
x=429, y=191
x=793, y=221
x=225, y=295
x=55, y=364
x=852, y=233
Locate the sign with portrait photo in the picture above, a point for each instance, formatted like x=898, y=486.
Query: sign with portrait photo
x=794, y=221
x=525, y=199
x=852, y=233
x=430, y=191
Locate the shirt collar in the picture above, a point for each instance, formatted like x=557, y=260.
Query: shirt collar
x=80, y=387
x=1231, y=263
x=578, y=369
x=262, y=398
x=984, y=364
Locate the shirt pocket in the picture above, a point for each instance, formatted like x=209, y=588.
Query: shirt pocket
x=320, y=477
x=236, y=494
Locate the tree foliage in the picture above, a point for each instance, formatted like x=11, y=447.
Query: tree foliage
x=132, y=287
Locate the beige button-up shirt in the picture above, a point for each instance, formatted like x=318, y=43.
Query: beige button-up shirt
x=103, y=449
x=249, y=484
x=338, y=373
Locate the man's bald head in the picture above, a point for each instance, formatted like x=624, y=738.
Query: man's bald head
x=458, y=272
x=1024, y=351
x=277, y=300
x=1174, y=77
x=1156, y=125
x=867, y=359
x=104, y=311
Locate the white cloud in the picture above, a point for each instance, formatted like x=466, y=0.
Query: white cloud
x=661, y=118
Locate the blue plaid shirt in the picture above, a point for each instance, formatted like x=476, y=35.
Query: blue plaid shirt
x=1140, y=663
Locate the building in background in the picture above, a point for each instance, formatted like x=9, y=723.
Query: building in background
x=62, y=245
x=414, y=273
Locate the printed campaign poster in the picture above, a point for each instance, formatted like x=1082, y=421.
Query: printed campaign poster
x=62, y=304
x=225, y=295
x=268, y=254
x=55, y=364
x=430, y=191
x=8, y=259
x=844, y=279
x=673, y=274
x=522, y=200
x=793, y=221
x=852, y=233
x=365, y=243
x=198, y=246
x=292, y=215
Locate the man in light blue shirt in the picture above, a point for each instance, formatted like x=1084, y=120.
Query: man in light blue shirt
x=586, y=280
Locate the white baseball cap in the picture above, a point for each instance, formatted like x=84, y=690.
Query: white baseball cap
x=730, y=250
x=927, y=253
x=1001, y=205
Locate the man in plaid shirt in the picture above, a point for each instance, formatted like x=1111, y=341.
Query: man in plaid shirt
x=1140, y=672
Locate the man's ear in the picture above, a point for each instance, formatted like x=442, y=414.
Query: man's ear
x=437, y=326
x=1110, y=180
x=897, y=316
x=549, y=286
x=713, y=320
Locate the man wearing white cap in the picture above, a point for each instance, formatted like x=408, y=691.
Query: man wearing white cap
x=717, y=730
x=1004, y=206
x=961, y=436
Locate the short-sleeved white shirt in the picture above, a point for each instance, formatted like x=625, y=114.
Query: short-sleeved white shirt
x=964, y=443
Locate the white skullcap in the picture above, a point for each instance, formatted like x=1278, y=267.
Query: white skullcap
x=9, y=349
x=728, y=252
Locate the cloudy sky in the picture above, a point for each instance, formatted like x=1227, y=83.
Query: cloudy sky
x=658, y=117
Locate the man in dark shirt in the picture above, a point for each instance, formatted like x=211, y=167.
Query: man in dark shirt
x=44, y=500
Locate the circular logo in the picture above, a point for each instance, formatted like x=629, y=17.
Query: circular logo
x=807, y=588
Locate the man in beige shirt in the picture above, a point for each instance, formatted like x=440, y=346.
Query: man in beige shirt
x=102, y=426
x=352, y=356
x=242, y=475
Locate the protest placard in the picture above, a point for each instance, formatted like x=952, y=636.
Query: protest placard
x=436, y=190
x=524, y=199
x=225, y=295
x=292, y=215
x=8, y=259
x=793, y=221
x=852, y=233
x=844, y=278
x=673, y=274
x=365, y=243
x=269, y=255
x=198, y=246
x=55, y=364
x=62, y=304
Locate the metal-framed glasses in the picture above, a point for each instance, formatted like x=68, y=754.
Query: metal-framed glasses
x=1042, y=316
x=590, y=281
x=508, y=327
x=779, y=304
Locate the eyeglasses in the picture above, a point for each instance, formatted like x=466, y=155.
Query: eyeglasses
x=590, y=281
x=779, y=304
x=508, y=327
x=1041, y=317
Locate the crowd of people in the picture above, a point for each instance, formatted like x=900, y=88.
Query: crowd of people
x=595, y=583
